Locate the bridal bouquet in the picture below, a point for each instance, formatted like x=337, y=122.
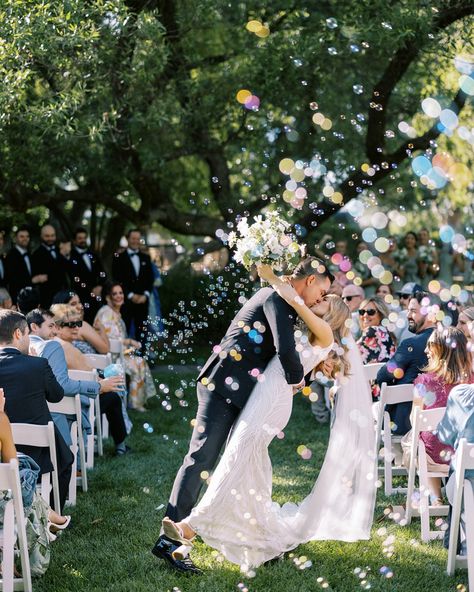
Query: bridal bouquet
x=267, y=241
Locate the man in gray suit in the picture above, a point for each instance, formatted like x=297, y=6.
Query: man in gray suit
x=42, y=330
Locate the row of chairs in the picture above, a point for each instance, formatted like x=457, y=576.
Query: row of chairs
x=14, y=527
x=425, y=420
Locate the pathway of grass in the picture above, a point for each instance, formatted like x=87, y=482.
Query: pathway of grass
x=117, y=522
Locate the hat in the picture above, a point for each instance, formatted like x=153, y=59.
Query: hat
x=410, y=288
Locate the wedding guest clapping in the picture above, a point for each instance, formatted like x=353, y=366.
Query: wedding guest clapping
x=142, y=386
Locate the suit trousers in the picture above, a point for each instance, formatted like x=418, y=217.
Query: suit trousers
x=136, y=315
x=111, y=406
x=214, y=420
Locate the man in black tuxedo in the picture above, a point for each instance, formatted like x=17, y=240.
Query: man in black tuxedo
x=29, y=384
x=49, y=265
x=18, y=265
x=133, y=270
x=3, y=276
x=263, y=328
x=86, y=273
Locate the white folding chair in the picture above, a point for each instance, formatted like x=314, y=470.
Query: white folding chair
x=99, y=361
x=371, y=370
x=72, y=406
x=94, y=416
x=464, y=461
x=390, y=395
x=116, y=350
x=14, y=517
x=41, y=436
x=424, y=420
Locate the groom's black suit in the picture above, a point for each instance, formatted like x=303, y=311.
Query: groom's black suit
x=262, y=328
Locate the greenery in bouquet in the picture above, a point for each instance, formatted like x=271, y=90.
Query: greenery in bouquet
x=267, y=241
x=401, y=256
x=425, y=254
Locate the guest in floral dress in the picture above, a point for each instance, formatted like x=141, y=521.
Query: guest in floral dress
x=448, y=365
x=376, y=344
x=408, y=259
x=141, y=386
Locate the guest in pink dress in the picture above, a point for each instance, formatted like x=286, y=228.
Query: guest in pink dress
x=449, y=364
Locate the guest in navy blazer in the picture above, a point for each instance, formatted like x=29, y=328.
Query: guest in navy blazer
x=410, y=357
x=29, y=384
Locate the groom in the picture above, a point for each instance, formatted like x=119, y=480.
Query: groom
x=262, y=328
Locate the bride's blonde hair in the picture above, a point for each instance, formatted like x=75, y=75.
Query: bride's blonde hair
x=337, y=318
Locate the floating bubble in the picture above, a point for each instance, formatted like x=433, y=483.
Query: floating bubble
x=421, y=165
x=449, y=119
x=369, y=235
x=431, y=107
x=332, y=51
x=243, y=95
x=358, y=89
x=331, y=23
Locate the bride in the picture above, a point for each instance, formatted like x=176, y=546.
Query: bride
x=236, y=515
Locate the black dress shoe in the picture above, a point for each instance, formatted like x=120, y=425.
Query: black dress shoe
x=164, y=548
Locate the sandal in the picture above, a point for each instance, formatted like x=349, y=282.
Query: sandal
x=54, y=527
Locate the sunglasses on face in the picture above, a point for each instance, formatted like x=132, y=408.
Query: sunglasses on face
x=71, y=324
x=370, y=312
x=349, y=298
x=404, y=296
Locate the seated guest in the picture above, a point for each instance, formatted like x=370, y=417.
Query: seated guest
x=384, y=290
x=89, y=340
x=410, y=357
x=402, y=330
x=376, y=343
x=353, y=296
x=5, y=299
x=28, y=298
x=142, y=386
x=29, y=384
x=41, y=519
x=449, y=364
x=43, y=328
x=457, y=423
x=466, y=324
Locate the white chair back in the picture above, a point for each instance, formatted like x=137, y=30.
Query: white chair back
x=98, y=361
x=390, y=395
x=464, y=461
x=371, y=370
x=469, y=514
x=72, y=406
x=94, y=410
x=424, y=420
x=41, y=436
x=14, y=514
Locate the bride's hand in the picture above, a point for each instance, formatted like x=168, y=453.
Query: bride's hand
x=266, y=273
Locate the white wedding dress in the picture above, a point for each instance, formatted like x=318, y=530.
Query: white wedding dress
x=237, y=516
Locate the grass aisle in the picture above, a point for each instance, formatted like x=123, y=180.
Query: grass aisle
x=117, y=522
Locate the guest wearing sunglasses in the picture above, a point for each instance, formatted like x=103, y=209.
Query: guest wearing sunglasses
x=353, y=296
x=376, y=343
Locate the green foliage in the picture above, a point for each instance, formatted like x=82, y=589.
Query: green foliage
x=136, y=101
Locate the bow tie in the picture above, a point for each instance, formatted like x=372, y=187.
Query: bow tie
x=133, y=253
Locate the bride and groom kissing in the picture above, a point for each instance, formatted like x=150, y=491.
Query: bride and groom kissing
x=245, y=396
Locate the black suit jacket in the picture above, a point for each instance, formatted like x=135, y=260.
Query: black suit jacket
x=3, y=276
x=17, y=272
x=124, y=272
x=263, y=327
x=410, y=356
x=29, y=383
x=82, y=278
x=43, y=262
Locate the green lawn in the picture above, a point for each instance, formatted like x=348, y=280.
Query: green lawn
x=117, y=522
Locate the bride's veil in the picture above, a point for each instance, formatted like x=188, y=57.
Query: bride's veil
x=341, y=504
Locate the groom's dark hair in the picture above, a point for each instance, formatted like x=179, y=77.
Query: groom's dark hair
x=312, y=266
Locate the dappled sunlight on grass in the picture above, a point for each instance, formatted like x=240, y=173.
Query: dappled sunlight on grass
x=116, y=523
